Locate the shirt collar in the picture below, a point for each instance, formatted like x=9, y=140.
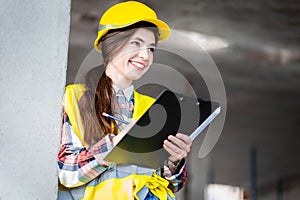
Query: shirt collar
x=127, y=92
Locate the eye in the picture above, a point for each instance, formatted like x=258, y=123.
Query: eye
x=151, y=49
x=135, y=43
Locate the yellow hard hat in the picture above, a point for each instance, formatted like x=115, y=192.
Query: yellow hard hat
x=127, y=13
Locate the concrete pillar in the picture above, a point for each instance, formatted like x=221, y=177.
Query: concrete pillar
x=33, y=59
x=199, y=173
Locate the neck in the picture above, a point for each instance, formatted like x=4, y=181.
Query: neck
x=117, y=77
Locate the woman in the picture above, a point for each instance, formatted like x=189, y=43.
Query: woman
x=127, y=37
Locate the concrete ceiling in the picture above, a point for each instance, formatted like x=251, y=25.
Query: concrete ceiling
x=260, y=70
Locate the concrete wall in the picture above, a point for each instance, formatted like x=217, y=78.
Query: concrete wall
x=34, y=39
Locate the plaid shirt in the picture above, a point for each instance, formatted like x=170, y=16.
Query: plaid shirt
x=79, y=165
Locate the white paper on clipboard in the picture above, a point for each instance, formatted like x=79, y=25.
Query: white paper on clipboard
x=202, y=126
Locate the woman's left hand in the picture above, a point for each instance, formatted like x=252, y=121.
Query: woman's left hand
x=178, y=147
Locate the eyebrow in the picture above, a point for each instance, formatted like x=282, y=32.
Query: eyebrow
x=141, y=40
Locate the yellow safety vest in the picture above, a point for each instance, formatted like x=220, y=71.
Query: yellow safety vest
x=114, y=188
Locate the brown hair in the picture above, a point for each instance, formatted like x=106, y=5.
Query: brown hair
x=99, y=92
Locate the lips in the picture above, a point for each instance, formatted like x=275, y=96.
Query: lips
x=137, y=65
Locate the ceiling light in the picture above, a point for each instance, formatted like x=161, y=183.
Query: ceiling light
x=207, y=42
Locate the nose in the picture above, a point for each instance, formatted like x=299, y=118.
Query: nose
x=144, y=53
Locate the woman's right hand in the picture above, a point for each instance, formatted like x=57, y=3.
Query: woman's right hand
x=116, y=139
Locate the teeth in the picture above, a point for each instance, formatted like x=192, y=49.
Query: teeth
x=139, y=65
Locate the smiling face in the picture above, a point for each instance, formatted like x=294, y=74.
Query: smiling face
x=133, y=60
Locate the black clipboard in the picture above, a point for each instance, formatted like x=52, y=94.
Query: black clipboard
x=171, y=113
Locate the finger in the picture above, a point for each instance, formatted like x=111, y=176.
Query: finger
x=173, y=155
x=172, y=147
x=183, y=145
x=178, y=142
x=104, y=163
x=175, y=151
x=185, y=138
x=169, y=150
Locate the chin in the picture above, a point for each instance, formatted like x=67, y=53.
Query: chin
x=135, y=76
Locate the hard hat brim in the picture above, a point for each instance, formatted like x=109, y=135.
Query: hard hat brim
x=163, y=29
